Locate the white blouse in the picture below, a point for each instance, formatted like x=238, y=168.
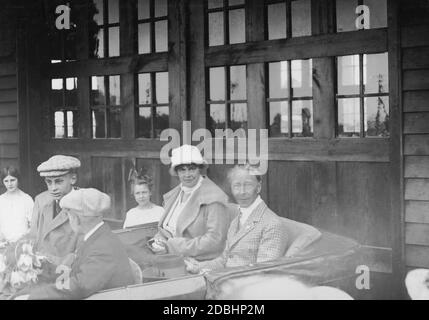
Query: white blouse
x=16, y=210
x=137, y=216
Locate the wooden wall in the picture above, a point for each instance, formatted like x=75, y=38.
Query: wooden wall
x=9, y=138
x=415, y=86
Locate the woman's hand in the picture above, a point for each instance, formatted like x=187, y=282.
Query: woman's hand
x=192, y=265
x=159, y=246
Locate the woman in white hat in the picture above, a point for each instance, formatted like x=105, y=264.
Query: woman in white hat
x=197, y=216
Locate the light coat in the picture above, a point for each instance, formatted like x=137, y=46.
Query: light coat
x=53, y=236
x=202, y=225
x=101, y=263
x=262, y=237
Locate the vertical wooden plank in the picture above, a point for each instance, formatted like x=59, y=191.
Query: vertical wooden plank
x=128, y=17
x=396, y=144
x=177, y=62
x=85, y=125
x=325, y=213
x=197, y=79
x=322, y=13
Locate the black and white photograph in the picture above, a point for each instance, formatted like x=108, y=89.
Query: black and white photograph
x=214, y=150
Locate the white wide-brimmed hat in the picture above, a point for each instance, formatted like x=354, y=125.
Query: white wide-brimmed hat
x=186, y=154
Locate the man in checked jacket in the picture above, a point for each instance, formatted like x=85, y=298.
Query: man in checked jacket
x=257, y=234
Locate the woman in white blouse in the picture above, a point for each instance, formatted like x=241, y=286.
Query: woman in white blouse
x=16, y=207
x=146, y=211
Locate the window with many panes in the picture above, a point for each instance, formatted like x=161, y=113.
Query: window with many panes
x=226, y=20
x=227, y=104
x=64, y=108
x=287, y=18
x=290, y=96
x=152, y=26
x=363, y=95
x=152, y=110
x=352, y=15
x=104, y=28
x=106, y=106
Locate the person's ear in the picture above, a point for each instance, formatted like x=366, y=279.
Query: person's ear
x=73, y=179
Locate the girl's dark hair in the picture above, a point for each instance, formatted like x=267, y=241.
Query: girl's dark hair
x=10, y=171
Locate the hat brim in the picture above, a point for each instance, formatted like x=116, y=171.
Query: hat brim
x=45, y=174
x=173, y=172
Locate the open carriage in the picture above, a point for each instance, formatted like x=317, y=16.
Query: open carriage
x=322, y=258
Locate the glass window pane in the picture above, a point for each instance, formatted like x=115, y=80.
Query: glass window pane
x=161, y=36
x=57, y=93
x=278, y=79
x=238, y=82
x=302, y=118
x=161, y=8
x=302, y=78
x=98, y=123
x=144, y=123
x=301, y=18
x=70, y=45
x=114, y=42
x=161, y=79
x=71, y=92
x=114, y=124
x=71, y=124
x=217, y=117
x=161, y=120
x=98, y=91
x=346, y=15
x=144, y=38
x=114, y=90
x=279, y=119
x=217, y=83
x=238, y=116
x=98, y=44
x=348, y=74
x=377, y=13
x=348, y=117
x=277, y=21
x=237, y=25
x=145, y=94
x=377, y=116
x=113, y=11
x=375, y=73
x=143, y=8
x=215, y=4
x=59, y=124
x=235, y=2
x=216, y=32
x=98, y=16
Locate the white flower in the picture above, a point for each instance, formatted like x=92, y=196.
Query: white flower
x=16, y=279
x=31, y=276
x=2, y=263
x=25, y=262
x=27, y=248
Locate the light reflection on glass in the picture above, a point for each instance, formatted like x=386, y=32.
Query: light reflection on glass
x=216, y=32
x=238, y=82
x=375, y=73
x=115, y=90
x=217, y=84
x=144, y=123
x=302, y=118
x=59, y=124
x=161, y=79
x=301, y=18
x=144, y=38
x=277, y=21
x=376, y=116
x=238, y=116
x=161, y=8
x=278, y=79
x=145, y=94
x=237, y=25
x=348, y=74
x=161, y=36
x=348, y=117
x=113, y=11
x=302, y=81
x=143, y=8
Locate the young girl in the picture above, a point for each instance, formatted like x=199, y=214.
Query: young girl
x=146, y=211
x=15, y=207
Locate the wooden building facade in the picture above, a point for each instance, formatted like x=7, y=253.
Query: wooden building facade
x=346, y=108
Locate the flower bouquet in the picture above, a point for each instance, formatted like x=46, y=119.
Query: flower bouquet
x=19, y=267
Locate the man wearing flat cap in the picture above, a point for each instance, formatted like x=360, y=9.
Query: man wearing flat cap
x=101, y=261
x=49, y=224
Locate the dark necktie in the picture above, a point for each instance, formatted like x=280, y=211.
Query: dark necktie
x=57, y=209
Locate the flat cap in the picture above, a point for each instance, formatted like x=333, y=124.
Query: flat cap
x=58, y=165
x=86, y=202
